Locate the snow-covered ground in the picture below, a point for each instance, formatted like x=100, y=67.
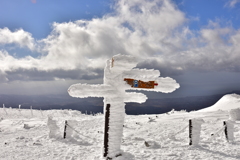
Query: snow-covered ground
x=226, y=103
x=25, y=135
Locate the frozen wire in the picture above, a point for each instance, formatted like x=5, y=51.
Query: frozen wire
x=182, y=130
x=79, y=132
x=217, y=133
x=173, y=136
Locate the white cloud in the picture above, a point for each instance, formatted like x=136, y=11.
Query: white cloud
x=154, y=31
x=137, y=27
x=214, y=36
x=9, y=63
x=217, y=49
x=87, y=44
x=231, y=3
x=20, y=37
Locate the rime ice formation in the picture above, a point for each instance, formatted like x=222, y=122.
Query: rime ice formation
x=53, y=127
x=4, y=109
x=229, y=129
x=226, y=103
x=16, y=141
x=120, y=76
x=69, y=130
x=195, y=131
x=234, y=114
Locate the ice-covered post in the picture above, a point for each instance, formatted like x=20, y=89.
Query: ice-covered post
x=31, y=111
x=65, y=130
x=41, y=112
x=19, y=108
x=53, y=127
x=119, y=77
x=4, y=109
x=228, y=130
x=194, y=130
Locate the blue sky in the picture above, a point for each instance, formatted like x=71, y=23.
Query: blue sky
x=37, y=16
x=221, y=10
x=48, y=45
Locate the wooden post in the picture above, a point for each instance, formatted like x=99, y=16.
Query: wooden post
x=31, y=111
x=41, y=112
x=229, y=130
x=65, y=130
x=195, y=130
x=106, y=134
x=190, y=131
x=225, y=129
x=4, y=109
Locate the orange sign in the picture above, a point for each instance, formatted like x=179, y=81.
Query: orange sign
x=140, y=84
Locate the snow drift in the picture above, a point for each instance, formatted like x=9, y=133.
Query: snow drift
x=20, y=143
x=226, y=103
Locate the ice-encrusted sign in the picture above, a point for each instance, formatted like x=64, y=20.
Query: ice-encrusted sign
x=120, y=76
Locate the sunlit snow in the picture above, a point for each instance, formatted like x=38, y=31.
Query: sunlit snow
x=25, y=135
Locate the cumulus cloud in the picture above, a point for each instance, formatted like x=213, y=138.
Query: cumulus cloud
x=19, y=37
x=212, y=49
x=155, y=32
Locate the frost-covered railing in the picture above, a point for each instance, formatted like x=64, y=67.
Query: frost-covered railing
x=194, y=128
x=120, y=76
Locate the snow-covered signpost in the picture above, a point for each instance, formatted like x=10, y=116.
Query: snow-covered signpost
x=120, y=76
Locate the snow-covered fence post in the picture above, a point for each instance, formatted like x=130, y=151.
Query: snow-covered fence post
x=190, y=131
x=53, y=128
x=19, y=108
x=120, y=76
x=70, y=131
x=65, y=130
x=234, y=114
x=228, y=130
x=41, y=112
x=31, y=111
x=194, y=131
x=106, y=130
x=4, y=109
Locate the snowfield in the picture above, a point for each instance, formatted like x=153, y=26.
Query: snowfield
x=25, y=135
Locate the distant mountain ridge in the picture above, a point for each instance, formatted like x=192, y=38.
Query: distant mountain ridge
x=95, y=105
